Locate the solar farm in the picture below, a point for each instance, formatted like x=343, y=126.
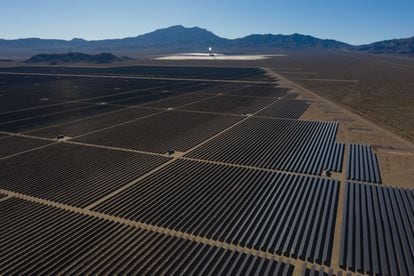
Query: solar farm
x=189, y=170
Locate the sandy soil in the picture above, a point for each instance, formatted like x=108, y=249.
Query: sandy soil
x=376, y=86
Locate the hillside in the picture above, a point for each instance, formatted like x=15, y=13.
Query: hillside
x=73, y=58
x=393, y=46
x=171, y=39
x=288, y=42
x=182, y=39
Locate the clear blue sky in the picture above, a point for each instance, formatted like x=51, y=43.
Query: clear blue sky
x=352, y=21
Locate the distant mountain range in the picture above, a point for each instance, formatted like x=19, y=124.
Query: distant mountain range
x=182, y=39
x=394, y=46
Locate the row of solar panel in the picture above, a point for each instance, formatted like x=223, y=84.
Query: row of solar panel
x=254, y=202
x=275, y=212
x=10, y=145
x=195, y=72
x=378, y=230
x=166, y=95
x=362, y=164
x=285, y=108
x=288, y=145
x=31, y=119
x=335, y=158
x=322, y=271
x=72, y=174
x=82, y=170
x=42, y=240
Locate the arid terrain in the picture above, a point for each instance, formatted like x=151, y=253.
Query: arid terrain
x=378, y=87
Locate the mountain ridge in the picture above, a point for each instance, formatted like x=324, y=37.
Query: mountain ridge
x=398, y=46
x=178, y=38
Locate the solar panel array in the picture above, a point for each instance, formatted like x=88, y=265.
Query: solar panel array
x=292, y=95
x=92, y=123
x=378, y=230
x=335, y=158
x=189, y=72
x=261, y=91
x=11, y=145
x=185, y=177
x=144, y=95
x=178, y=101
x=275, y=212
x=314, y=271
x=28, y=119
x=362, y=164
x=231, y=104
x=285, y=108
x=175, y=130
x=73, y=174
x=287, y=145
x=65, y=111
x=43, y=240
x=28, y=92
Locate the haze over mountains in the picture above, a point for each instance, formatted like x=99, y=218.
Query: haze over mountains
x=182, y=39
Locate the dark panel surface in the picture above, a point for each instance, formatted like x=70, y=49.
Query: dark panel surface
x=323, y=271
x=231, y=104
x=61, y=114
x=335, y=158
x=12, y=144
x=32, y=89
x=41, y=240
x=180, y=100
x=221, y=73
x=93, y=123
x=275, y=212
x=291, y=109
x=73, y=174
x=160, y=133
x=362, y=164
x=261, y=91
x=378, y=230
x=9, y=117
x=289, y=145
